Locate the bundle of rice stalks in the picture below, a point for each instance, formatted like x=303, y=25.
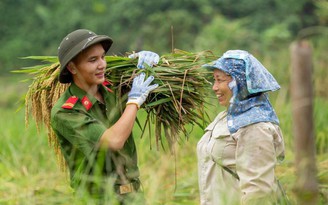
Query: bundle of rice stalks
x=179, y=100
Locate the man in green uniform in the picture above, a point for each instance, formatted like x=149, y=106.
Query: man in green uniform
x=94, y=135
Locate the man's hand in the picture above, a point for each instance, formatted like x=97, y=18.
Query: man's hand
x=148, y=57
x=140, y=89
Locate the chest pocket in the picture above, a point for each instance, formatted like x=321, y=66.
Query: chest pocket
x=222, y=145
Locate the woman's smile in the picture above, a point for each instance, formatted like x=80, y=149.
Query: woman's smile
x=221, y=87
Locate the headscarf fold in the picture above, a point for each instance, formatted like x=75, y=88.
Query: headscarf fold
x=251, y=80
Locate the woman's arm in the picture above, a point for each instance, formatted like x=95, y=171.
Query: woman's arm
x=255, y=163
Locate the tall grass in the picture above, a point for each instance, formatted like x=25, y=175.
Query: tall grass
x=30, y=175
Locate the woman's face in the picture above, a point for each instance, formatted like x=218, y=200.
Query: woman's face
x=88, y=68
x=221, y=88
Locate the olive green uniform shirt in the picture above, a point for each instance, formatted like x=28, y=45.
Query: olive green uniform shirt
x=79, y=120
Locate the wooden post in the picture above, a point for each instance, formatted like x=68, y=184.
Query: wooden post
x=306, y=186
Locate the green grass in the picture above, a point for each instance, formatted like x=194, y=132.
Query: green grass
x=30, y=175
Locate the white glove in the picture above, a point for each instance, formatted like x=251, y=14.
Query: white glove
x=148, y=57
x=140, y=89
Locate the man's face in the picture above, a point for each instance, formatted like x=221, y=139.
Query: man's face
x=88, y=68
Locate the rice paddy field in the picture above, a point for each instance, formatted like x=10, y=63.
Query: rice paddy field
x=29, y=173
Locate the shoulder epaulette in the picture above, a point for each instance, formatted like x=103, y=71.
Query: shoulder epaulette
x=86, y=103
x=70, y=102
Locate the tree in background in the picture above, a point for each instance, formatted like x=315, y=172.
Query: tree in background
x=35, y=27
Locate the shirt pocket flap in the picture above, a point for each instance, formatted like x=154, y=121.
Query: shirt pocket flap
x=211, y=126
x=220, y=130
x=217, y=120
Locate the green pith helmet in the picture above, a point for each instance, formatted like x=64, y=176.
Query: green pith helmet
x=73, y=44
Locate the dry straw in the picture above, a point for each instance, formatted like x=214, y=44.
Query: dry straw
x=178, y=101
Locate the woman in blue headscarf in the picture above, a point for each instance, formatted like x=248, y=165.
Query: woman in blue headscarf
x=240, y=148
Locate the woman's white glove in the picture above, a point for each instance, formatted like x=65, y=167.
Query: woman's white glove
x=140, y=89
x=148, y=57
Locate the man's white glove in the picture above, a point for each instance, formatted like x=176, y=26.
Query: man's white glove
x=140, y=89
x=148, y=57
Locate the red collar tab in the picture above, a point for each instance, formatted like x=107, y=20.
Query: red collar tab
x=70, y=102
x=107, y=84
x=86, y=103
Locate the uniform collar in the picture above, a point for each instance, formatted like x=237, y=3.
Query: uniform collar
x=86, y=99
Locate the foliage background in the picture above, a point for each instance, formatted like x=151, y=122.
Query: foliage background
x=29, y=174
x=36, y=27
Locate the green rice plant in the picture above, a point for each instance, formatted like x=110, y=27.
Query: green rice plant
x=179, y=100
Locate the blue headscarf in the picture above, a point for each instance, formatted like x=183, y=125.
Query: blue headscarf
x=251, y=80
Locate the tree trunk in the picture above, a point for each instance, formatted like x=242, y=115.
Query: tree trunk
x=306, y=186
